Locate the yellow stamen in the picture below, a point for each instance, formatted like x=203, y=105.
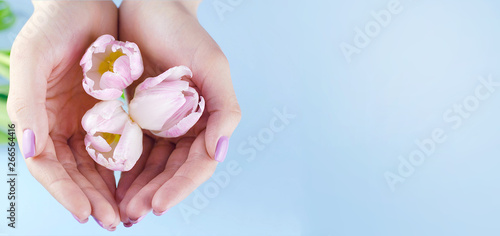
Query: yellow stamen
x=107, y=63
x=110, y=138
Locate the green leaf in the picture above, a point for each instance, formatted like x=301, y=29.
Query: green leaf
x=4, y=118
x=4, y=137
x=7, y=18
x=4, y=90
x=5, y=51
x=4, y=71
x=5, y=58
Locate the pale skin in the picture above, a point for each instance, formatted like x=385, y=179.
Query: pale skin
x=47, y=96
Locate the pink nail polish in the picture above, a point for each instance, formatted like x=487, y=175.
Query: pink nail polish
x=221, y=149
x=127, y=225
x=109, y=228
x=80, y=221
x=99, y=222
x=159, y=213
x=138, y=220
x=28, y=143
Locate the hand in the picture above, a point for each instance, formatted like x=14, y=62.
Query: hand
x=169, y=34
x=46, y=97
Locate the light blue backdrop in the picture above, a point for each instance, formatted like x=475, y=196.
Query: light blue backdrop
x=412, y=77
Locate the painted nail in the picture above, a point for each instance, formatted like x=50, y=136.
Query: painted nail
x=159, y=213
x=28, y=143
x=221, y=149
x=99, y=222
x=127, y=225
x=138, y=220
x=80, y=221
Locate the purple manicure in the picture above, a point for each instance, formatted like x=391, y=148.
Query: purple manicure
x=80, y=221
x=159, y=213
x=100, y=224
x=221, y=149
x=28, y=143
x=137, y=221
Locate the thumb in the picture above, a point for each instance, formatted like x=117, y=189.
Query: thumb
x=26, y=100
x=223, y=109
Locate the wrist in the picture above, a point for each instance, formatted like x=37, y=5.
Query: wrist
x=54, y=5
x=185, y=6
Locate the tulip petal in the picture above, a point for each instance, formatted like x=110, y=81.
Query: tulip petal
x=172, y=74
x=129, y=148
x=104, y=94
x=183, y=126
x=123, y=60
x=98, y=143
x=110, y=80
x=106, y=116
x=122, y=67
x=113, y=140
x=151, y=111
x=135, y=59
x=188, y=107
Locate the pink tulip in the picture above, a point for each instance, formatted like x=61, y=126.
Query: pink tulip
x=109, y=66
x=113, y=139
x=167, y=105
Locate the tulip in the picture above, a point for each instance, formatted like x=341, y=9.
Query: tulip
x=109, y=66
x=113, y=140
x=166, y=105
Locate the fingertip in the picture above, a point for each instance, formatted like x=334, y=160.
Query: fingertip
x=160, y=202
x=220, y=127
x=82, y=213
x=81, y=221
x=135, y=210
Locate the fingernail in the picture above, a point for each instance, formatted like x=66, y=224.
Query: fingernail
x=221, y=149
x=99, y=222
x=28, y=143
x=80, y=221
x=127, y=225
x=159, y=213
x=102, y=226
x=138, y=220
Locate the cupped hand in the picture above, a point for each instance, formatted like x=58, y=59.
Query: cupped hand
x=47, y=98
x=169, y=34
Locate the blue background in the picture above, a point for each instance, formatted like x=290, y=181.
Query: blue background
x=323, y=172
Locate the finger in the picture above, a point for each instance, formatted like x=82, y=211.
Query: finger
x=198, y=167
x=127, y=177
x=154, y=166
x=140, y=204
x=214, y=81
x=78, y=148
x=26, y=101
x=87, y=167
x=50, y=173
x=102, y=210
x=108, y=176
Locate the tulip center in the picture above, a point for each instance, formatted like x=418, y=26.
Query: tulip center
x=111, y=138
x=107, y=63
